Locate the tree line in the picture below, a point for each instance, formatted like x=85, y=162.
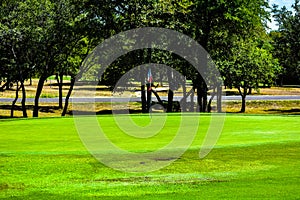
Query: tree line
x=40, y=38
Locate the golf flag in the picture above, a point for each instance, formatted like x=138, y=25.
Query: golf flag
x=149, y=79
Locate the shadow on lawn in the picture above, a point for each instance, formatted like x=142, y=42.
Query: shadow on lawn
x=105, y=112
x=294, y=111
x=56, y=111
x=43, y=109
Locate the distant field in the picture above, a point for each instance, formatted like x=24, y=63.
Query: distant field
x=257, y=156
x=50, y=90
x=285, y=107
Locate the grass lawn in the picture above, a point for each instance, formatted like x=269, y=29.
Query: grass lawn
x=257, y=156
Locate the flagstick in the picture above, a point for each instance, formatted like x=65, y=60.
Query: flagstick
x=149, y=93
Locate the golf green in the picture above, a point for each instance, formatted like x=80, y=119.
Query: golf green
x=256, y=156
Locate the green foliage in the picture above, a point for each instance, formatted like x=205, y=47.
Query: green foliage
x=287, y=42
x=251, y=64
x=52, y=37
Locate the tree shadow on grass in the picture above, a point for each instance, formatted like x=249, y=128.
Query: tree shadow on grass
x=44, y=109
x=105, y=112
x=294, y=111
x=55, y=110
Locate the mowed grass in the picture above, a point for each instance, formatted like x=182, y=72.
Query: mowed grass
x=257, y=156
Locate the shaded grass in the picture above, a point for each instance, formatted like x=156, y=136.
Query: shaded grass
x=253, y=107
x=52, y=109
x=257, y=156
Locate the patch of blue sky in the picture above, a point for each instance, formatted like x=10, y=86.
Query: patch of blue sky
x=287, y=3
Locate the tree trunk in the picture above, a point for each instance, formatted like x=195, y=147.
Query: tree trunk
x=219, y=98
x=183, y=103
x=243, y=95
x=7, y=84
x=143, y=99
x=243, y=109
x=192, y=100
x=149, y=97
x=60, y=86
x=37, y=96
x=170, y=101
x=23, y=100
x=184, y=99
x=210, y=100
x=64, y=112
x=199, y=99
x=204, y=106
x=161, y=79
x=14, y=101
x=4, y=86
x=250, y=91
x=157, y=97
x=201, y=93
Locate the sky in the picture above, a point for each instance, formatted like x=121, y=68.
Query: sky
x=281, y=3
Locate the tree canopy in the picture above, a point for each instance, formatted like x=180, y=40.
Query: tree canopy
x=42, y=38
x=287, y=42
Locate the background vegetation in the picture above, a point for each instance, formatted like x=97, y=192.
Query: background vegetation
x=43, y=38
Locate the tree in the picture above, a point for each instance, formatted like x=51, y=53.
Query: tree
x=287, y=42
x=94, y=23
x=53, y=41
x=62, y=27
x=250, y=65
x=16, y=66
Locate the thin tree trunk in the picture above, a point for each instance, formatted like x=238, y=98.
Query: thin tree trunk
x=170, y=91
x=143, y=99
x=183, y=103
x=210, y=100
x=23, y=100
x=14, y=101
x=170, y=100
x=250, y=91
x=192, y=109
x=149, y=97
x=4, y=86
x=37, y=96
x=184, y=99
x=161, y=78
x=219, y=98
x=157, y=97
x=243, y=108
x=60, y=95
x=65, y=109
x=243, y=95
x=7, y=84
x=204, y=106
x=201, y=93
x=199, y=99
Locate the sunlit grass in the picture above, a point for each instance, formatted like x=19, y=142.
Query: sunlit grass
x=257, y=156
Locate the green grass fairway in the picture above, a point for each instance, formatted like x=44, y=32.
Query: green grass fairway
x=257, y=156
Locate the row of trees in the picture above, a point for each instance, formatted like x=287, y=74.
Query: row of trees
x=286, y=43
x=39, y=38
